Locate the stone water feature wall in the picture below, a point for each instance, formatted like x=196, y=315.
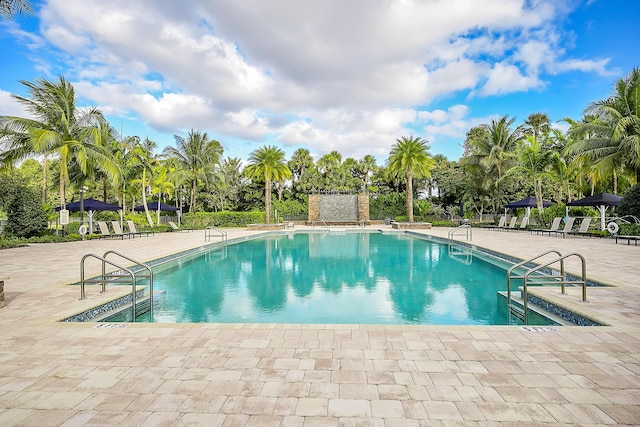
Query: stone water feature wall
x=339, y=208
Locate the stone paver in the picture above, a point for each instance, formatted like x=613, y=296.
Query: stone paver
x=314, y=375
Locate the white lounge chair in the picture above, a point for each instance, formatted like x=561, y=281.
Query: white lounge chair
x=133, y=230
x=554, y=227
x=117, y=230
x=104, y=231
x=568, y=226
x=176, y=228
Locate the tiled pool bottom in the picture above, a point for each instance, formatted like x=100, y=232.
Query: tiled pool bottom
x=98, y=313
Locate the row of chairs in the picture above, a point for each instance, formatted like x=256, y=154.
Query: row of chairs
x=119, y=232
x=554, y=229
x=567, y=229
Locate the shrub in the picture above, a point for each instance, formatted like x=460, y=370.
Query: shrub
x=201, y=220
x=389, y=205
x=629, y=230
x=25, y=216
x=630, y=203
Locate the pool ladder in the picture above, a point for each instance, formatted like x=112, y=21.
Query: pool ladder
x=117, y=277
x=460, y=230
x=212, y=231
x=536, y=276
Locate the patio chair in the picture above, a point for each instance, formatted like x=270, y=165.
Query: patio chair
x=117, y=230
x=288, y=225
x=554, y=227
x=512, y=224
x=104, y=231
x=568, y=226
x=584, y=228
x=132, y=229
x=501, y=223
x=174, y=227
x=524, y=223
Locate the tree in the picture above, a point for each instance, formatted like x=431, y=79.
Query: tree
x=538, y=125
x=197, y=153
x=492, y=149
x=409, y=157
x=141, y=158
x=268, y=163
x=60, y=128
x=10, y=8
x=609, y=137
x=630, y=203
x=534, y=162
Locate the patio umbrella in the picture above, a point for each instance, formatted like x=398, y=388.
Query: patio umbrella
x=528, y=203
x=602, y=201
x=91, y=206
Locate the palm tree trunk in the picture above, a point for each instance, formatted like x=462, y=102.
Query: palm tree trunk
x=410, y=196
x=144, y=197
x=44, y=180
x=267, y=201
x=193, y=195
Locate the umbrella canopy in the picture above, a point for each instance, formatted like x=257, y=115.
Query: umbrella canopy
x=529, y=202
x=91, y=205
x=153, y=206
x=602, y=201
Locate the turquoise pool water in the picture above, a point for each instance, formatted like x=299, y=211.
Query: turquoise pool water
x=366, y=278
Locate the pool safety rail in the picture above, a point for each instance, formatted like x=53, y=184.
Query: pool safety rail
x=212, y=231
x=543, y=274
x=120, y=276
x=464, y=229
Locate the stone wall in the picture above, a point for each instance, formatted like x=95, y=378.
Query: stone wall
x=336, y=208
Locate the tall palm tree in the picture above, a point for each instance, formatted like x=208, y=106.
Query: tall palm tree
x=609, y=137
x=268, y=163
x=493, y=150
x=10, y=8
x=367, y=166
x=410, y=157
x=59, y=128
x=534, y=162
x=141, y=158
x=197, y=153
x=538, y=125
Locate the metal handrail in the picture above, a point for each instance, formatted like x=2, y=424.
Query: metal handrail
x=467, y=232
x=104, y=275
x=219, y=233
x=150, y=276
x=546, y=278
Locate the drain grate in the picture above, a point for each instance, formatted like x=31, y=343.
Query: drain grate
x=112, y=325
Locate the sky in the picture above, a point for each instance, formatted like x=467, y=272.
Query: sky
x=351, y=76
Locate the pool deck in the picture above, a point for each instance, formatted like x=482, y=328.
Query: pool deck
x=88, y=374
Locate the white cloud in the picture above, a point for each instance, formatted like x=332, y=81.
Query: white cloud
x=350, y=76
x=11, y=107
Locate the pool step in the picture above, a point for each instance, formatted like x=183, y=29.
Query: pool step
x=123, y=312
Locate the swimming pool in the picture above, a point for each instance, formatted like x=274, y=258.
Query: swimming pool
x=336, y=278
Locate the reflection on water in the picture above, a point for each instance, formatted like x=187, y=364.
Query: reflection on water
x=332, y=278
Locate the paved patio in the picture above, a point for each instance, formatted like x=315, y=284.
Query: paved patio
x=88, y=374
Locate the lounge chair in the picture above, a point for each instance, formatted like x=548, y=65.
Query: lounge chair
x=288, y=225
x=584, y=228
x=174, y=227
x=568, y=227
x=554, y=227
x=133, y=230
x=117, y=231
x=501, y=223
x=524, y=223
x=104, y=231
x=512, y=224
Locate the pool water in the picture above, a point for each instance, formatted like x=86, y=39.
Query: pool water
x=348, y=278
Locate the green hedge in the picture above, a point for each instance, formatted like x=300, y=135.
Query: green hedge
x=629, y=230
x=202, y=220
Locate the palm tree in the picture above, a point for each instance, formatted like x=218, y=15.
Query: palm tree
x=409, y=157
x=10, y=8
x=368, y=167
x=609, y=137
x=60, y=129
x=197, y=154
x=537, y=124
x=493, y=150
x=268, y=163
x=141, y=158
x=534, y=162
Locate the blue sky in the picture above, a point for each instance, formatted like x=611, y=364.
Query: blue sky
x=332, y=75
